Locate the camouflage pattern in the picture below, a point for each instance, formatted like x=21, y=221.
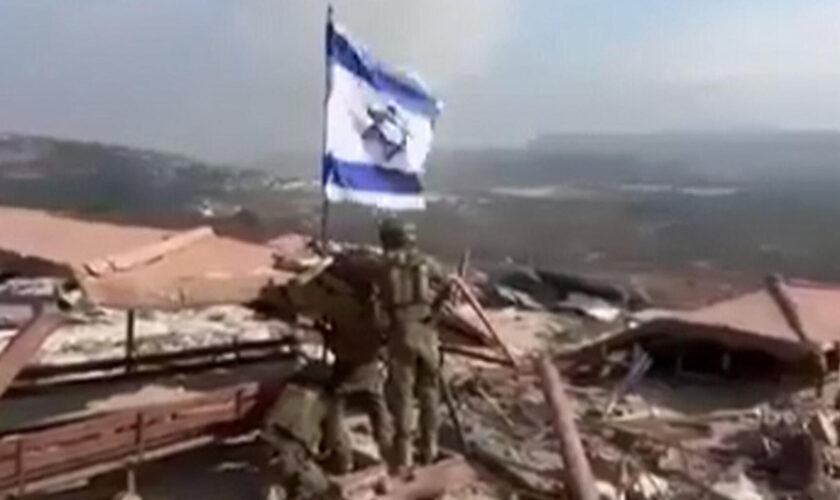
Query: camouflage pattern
x=299, y=412
x=411, y=372
x=293, y=474
x=413, y=352
x=346, y=296
x=366, y=382
x=293, y=433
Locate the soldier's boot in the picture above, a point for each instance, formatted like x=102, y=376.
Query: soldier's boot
x=428, y=446
x=401, y=454
x=429, y=396
x=401, y=372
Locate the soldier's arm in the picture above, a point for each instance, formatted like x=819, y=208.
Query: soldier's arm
x=442, y=281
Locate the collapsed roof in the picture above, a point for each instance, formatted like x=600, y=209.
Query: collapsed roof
x=36, y=242
x=787, y=319
x=137, y=267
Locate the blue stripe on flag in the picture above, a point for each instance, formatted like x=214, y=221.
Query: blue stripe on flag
x=408, y=94
x=367, y=177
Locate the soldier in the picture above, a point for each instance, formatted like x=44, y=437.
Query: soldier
x=293, y=433
x=413, y=344
x=345, y=297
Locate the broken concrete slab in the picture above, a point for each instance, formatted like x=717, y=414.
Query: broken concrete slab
x=738, y=488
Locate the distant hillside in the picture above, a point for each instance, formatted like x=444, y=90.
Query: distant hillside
x=697, y=158
x=108, y=181
x=682, y=203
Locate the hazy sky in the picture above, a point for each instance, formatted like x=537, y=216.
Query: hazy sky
x=236, y=80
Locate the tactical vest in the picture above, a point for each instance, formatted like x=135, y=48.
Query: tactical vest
x=408, y=284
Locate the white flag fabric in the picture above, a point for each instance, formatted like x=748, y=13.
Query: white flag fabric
x=379, y=129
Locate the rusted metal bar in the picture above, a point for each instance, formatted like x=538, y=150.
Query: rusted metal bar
x=25, y=344
x=41, y=371
x=102, y=443
x=140, y=439
x=181, y=369
x=578, y=477
x=20, y=469
x=8, y=299
x=23, y=389
x=104, y=467
x=129, y=340
x=776, y=287
x=475, y=354
x=473, y=301
x=453, y=321
x=449, y=401
x=464, y=263
x=463, y=267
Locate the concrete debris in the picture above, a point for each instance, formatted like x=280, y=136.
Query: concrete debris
x=607, y=491
x=591, y=307
x=715, y=403
x=565, y=283
x=740, y=488
x=787, y=320
x=508, y=296
x=555, y=290
x=649, y=486
x=824, y=427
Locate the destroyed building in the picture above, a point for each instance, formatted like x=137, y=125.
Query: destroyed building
x=143, y=399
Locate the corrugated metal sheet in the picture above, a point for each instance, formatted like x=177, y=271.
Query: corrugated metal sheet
x=817, y=305
x=755, y=320
x=138, y=267
x=209, y=271
x=28, y=237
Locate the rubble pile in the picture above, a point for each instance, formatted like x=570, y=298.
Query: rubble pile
x=651, y=430
x=556, y=385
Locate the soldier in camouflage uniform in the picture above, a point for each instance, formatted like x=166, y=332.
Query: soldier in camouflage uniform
x=413, y=344
x=293, y=434
x=345, y=296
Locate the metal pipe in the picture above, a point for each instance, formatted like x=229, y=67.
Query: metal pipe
x=578, y=477
x=473, y=302
x=253, y=347
x=129, y=341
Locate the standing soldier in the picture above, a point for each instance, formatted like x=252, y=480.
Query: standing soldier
x=413, y=344
x=344, y=296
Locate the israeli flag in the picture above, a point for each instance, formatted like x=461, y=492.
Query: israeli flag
x=379, y=128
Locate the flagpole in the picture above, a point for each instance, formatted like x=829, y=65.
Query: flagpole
x=325, y=207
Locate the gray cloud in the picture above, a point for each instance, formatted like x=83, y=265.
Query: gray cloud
x=229, y=80
x=238, y=80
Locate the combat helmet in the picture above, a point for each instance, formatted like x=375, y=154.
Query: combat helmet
x=395, y=233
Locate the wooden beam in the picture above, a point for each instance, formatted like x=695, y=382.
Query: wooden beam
x=473, y=302
x=23, y=346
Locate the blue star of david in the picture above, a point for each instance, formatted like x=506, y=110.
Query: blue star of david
x=388, y=129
